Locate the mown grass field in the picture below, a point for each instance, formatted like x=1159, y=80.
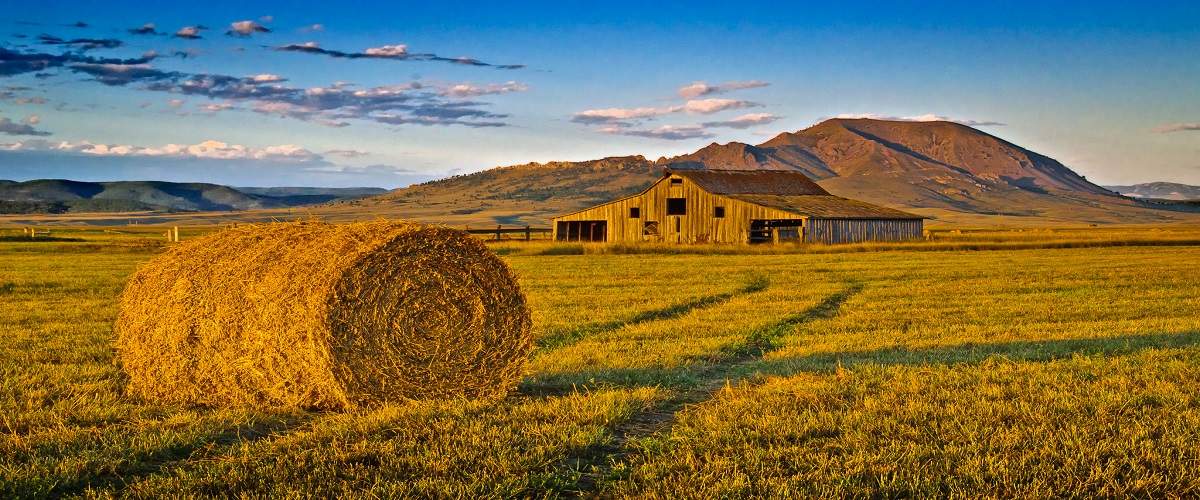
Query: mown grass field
x=998, y=372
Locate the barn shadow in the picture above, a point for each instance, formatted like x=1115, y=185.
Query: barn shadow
x=565, y=337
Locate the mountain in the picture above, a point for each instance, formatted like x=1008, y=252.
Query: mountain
x=1160, y=190
x=943, y=170
x=58, y=196
x=937, y=165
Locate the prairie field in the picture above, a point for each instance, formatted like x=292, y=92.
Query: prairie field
x=1003, y=363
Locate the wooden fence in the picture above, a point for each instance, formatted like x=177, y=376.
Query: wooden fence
x=516, y=233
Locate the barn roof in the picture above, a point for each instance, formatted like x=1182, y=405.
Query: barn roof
x=824, y=206
x=774, y=182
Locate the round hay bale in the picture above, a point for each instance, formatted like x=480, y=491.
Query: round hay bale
x=323, y=316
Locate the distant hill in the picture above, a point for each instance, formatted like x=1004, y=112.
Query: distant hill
x=283, y=192
x=946, y=171
x=942, y=170
x=62, y=196
x=1160, y=190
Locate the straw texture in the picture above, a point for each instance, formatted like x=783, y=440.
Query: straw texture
x=323, y=316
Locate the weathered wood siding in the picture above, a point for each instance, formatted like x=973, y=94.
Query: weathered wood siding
x=860, y=230
x=697, y=226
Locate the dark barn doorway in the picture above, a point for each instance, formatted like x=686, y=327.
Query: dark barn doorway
x=768, y=231
x=582, y=230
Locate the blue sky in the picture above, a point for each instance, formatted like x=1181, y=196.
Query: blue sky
x=377, y=93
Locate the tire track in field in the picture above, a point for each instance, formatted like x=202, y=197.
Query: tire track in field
x=565, y=338
x=597, y=463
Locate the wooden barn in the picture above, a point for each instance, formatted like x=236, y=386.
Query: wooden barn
x=736, y=206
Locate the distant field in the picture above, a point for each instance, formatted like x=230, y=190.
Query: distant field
x=981, y=363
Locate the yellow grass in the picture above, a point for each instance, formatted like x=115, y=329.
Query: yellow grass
x=996, y=373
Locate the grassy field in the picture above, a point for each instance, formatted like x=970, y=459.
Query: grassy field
x=1021, y=366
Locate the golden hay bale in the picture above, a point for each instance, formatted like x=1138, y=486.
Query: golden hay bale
x=323, y=316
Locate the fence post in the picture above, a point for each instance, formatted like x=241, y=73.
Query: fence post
x=528, y=233
x=175, y=233
x=498, y=232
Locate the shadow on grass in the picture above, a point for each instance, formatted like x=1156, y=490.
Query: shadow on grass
x=974, y=353
x=691, y=375
x=566, y=337
x=696, y=382
x=136, y=466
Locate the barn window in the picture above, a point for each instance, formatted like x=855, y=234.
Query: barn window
x=676, y=180
x=676, y=206
x=719, y=212
x=650, y=228
x=635, y=212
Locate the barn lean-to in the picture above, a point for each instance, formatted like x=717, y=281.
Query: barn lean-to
x=736, y=206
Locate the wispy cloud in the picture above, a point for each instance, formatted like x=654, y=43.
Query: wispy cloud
x=210, y=149
x=411, y=103
x=9, y=127
x=145, y=29
x=612, y=115
x=1177, y=127
x=80, y=43
x=246, y=28
x=190, y=32
x=628, y=115
x=710, y=106
x=398, y=52
x=473, y=90
x=347, y=153
x=15, y=63
x=700, y=89
x=16, y=95
x=667, y=132
x=313, y=28
x=928, y=117
x=743, y=121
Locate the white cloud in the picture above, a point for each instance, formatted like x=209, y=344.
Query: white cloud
x=388, y=51
x=313, y=27
x=667, y=132
x=32, y=120
x=267, y=78
x=744, y=121
x=698, y=89
x=215, y=107
x=709, y=106
x=247, y=28
x=472, y=90
x=606, y=115
x=190, y=32
x=175, y=103
x=928, y=117
x=210, y=149
x=625, y=115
